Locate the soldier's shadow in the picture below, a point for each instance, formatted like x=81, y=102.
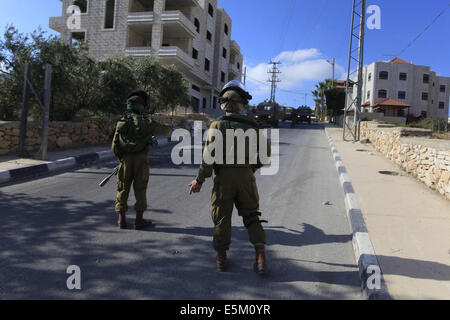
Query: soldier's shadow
x=276, y=235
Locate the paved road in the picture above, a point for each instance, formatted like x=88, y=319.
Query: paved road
x=55, y=221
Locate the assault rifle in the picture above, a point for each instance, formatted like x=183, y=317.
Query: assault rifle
x=106, y=180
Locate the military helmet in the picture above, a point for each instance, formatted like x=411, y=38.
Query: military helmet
x=239, y=87
x=231, y=101
x=138, y=97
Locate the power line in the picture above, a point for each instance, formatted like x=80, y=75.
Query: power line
x=274, y=72
x=426, y=28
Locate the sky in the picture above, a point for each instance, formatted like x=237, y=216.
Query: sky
x=303, y=35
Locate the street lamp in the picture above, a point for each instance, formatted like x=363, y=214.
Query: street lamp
x=333, y=64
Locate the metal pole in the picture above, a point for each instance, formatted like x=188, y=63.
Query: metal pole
x=360, y=68
x=332, y=81
x=24, y=115
x=47, y=99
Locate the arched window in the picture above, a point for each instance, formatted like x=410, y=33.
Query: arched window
x=109, y=14
x=384, y=75
x=82, y=4
x=226, y=29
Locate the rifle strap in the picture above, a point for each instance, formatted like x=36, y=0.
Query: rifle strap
x=246, y=121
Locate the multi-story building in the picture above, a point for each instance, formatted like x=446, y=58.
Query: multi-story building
x=194, y=35
x=399, y=88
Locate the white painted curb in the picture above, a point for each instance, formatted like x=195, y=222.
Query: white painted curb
x=362, y=245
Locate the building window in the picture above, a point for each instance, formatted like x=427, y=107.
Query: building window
x=403, y=76
x=82, y=4
x=368, y=94
x=370, y=77
x=382, y=93
x=441, y=105
x=204, y=103
x=208, y=35
x=224, y=53
x=194, y=53
x=214, y=102
x=442, y=89
x=384, y=75
x=425, y=96
x=226, y=29
x=207, y=64
x=109, y=14
x=210, y=10
x=426, y=78
x=194, y=87
x=402, y=95
x=78, y=37
x=197, y=25
x=239, y=66
x=222, y=77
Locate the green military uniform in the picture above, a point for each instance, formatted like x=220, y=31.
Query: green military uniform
x=233, y=185
x=134, y=166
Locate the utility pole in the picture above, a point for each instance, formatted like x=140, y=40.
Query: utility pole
x=245, y=75
x=46, y=109
x=24, y=115
x=274, y=79
x=333, y=64
x=352, y=129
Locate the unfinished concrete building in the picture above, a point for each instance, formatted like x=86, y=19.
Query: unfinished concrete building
x=194, y=35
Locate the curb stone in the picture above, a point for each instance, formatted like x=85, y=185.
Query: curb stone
x=62, y=164
x=362, y=245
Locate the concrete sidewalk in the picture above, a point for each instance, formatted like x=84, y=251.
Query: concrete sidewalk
x=14, y=168
x=409, y=224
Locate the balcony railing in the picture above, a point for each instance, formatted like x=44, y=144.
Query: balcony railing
x=175, y=53
x=139, y=51
x=139, y=17
x=235, y=47
x=56, y=23
x=177, y=17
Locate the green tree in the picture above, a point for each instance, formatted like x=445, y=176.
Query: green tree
x=173, y=90
x=117, y=80
x=335, y=101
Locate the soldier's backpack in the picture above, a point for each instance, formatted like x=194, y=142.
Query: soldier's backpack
x=134, y=134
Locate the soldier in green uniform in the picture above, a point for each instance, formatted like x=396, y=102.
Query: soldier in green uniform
x=234, y=184
x=131, y=143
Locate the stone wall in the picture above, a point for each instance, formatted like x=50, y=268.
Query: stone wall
x=414, y=151
x=89, y=132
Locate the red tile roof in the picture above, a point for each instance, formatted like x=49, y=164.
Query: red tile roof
x=398, y=60
x=391, y=103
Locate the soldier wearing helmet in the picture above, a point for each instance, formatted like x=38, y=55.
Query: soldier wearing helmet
x=234, y=184
x=132, y=141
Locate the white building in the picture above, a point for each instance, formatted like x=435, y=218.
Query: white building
x=399, y=88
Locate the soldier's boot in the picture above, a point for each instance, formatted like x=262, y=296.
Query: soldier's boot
x=122, y=223
x=140, y=222
x=260, y=264
x=221, y=261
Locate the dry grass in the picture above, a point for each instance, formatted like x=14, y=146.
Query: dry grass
x=441, y=135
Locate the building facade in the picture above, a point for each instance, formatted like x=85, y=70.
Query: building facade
x=194, y=35
x=398, y=83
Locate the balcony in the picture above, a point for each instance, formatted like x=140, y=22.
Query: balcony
x=176, y=23
x=57, y=23
x=234, y=47
x=234, y=71
x=174, y=55
x=140, y=17
x=181, y=3
x=139, y=51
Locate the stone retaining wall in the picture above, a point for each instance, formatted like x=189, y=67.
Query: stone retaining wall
x=415, y=152
x=65, y=135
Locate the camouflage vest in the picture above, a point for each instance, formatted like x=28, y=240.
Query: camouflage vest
x=133, y=134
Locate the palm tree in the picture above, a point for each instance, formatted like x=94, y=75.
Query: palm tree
x=319, y=94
